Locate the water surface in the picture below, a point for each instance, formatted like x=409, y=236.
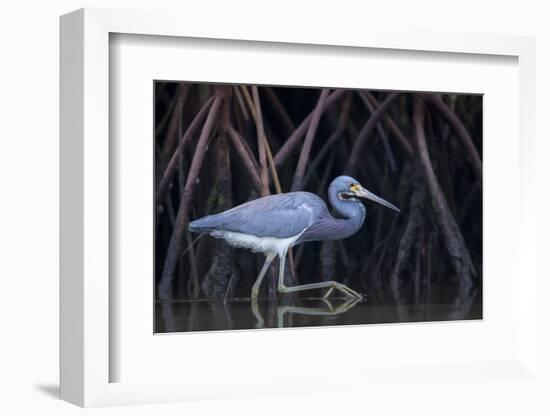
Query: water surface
x=208, y=315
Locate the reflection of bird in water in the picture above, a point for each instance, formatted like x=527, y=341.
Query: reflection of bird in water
x=275, y=223
x=324, y=309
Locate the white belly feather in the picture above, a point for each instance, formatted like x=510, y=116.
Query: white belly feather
x=257, y=244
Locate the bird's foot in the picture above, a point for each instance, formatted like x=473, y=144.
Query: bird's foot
x=346, y=291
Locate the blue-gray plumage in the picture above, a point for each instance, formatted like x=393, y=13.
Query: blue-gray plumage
x=275, y=223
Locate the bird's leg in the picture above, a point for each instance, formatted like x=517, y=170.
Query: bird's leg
x=258, y=282
x=256, y=312
x=331, y=285
x=326, y=295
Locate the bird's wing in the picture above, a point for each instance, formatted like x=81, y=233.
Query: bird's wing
x=281, y=216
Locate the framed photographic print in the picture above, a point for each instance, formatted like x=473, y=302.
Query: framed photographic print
x=244, y=214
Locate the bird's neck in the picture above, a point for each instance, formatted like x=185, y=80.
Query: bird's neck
x=352, y=216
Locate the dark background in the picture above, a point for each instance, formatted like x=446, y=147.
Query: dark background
x=420, y=151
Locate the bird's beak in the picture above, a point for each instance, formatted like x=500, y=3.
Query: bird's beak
x=363, y=193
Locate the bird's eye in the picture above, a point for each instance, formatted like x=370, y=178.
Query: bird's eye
x=354, y=187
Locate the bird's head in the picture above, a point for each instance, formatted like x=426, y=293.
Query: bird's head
x=349, y=189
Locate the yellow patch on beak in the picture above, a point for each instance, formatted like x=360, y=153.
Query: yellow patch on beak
x=355, y=187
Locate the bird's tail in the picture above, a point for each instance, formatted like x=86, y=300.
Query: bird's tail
x=201, y=225
x=194, y=227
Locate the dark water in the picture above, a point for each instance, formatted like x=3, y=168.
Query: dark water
x=206, y=315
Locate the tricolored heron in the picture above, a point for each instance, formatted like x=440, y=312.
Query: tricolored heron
x=273, y=224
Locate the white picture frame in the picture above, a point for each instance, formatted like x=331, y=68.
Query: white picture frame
x=86, y=355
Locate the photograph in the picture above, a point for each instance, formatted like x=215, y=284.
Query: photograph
x=279, y=206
